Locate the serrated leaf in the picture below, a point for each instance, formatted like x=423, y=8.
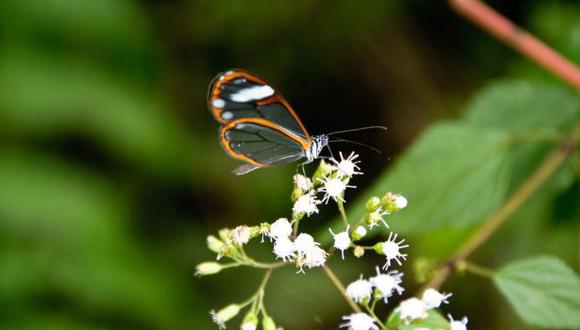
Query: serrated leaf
x=543, y=290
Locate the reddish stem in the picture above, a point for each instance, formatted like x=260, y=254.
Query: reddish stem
x=502, y=28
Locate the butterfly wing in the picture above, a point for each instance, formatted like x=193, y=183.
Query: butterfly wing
x=237, y=94
x=259, y=143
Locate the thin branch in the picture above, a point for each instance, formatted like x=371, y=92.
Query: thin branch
x=521, y=195
x=338, y=284
x=503, y=29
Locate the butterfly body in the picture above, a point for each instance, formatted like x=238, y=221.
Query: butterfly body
x=258, y=125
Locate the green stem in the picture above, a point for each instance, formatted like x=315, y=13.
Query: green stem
x=477, y=270
x=340, y=287
x=372, y=313
x=253, y=263
x=340, y=204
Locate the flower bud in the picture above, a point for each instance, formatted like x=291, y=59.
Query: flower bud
x=296, y=193
x=302, y=183
x=268, y=323
x=225, y=234
x=359, y=233
x=373, y=204
x=379, y=248
x=250, y=321
x=323, y=170
x=225, y=314
x=214, y=244
x=358, y=251
x=208, y=268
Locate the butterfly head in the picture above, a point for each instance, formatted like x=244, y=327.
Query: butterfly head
x=318, y=143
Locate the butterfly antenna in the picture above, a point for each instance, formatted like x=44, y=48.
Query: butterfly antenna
x=357, y=143
x=358, y=129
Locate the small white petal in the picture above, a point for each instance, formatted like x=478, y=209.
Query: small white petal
x=457, y=324
x=433, y=298
x=359, y=290
x=241, y=235
x=359, y=321
x=401, y=202
x=412, y=309
x=306, y=204
x=284, y=249
x=341, y=240
x=281, y=228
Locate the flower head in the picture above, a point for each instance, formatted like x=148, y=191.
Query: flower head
x=241, y=235
x=315, y=257
x=301, y=182
x=284, y=249
x=401, y=202
x=391, y=249
x=359, y=290
x=433, y=298
x=225, y=314
x=341, y=240
x=375, y=217
x=281, y=228
x=333, y=187
x=359, y=321
x=457, y=324
x=306, y=204
x=347, y=166
x=387, y=284
x=412, y=309
x=303, y=243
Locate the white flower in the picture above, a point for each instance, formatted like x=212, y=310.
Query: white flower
x=341, y=240
x=303, y=183
x=388, y=283
x=284, y=249
x=225, y=314
x=391, y=249
x=359, y=290
x=359, y=321
x=377, y=216
x=315, y=257
x=360, y=232
x=303, y=243
x=457, y=324
x=306, y=204
x=347, y=166
x=333, y=187
x=401, y=202
x=412, y=309
x=281, y=228
x=241, y=235
x=249, y=326
x=433, y=298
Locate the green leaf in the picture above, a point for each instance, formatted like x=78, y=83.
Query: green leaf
x=543, y=291
x=453, y=176
x=434, y=321
x=525, y=108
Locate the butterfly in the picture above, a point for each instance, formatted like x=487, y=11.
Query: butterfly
x=259, y=127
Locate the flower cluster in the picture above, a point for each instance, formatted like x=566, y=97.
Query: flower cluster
x=301, y=250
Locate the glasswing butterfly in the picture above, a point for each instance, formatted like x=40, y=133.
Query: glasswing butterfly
x=259, y=127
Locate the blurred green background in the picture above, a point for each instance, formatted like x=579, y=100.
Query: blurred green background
x=111, y=174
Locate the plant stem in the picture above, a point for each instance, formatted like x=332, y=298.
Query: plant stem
x=342, y=212
x=513, y=203
x=253, y=263
x=503, y=29
x=372, y=313
x=340, y=287
x=478, y=270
